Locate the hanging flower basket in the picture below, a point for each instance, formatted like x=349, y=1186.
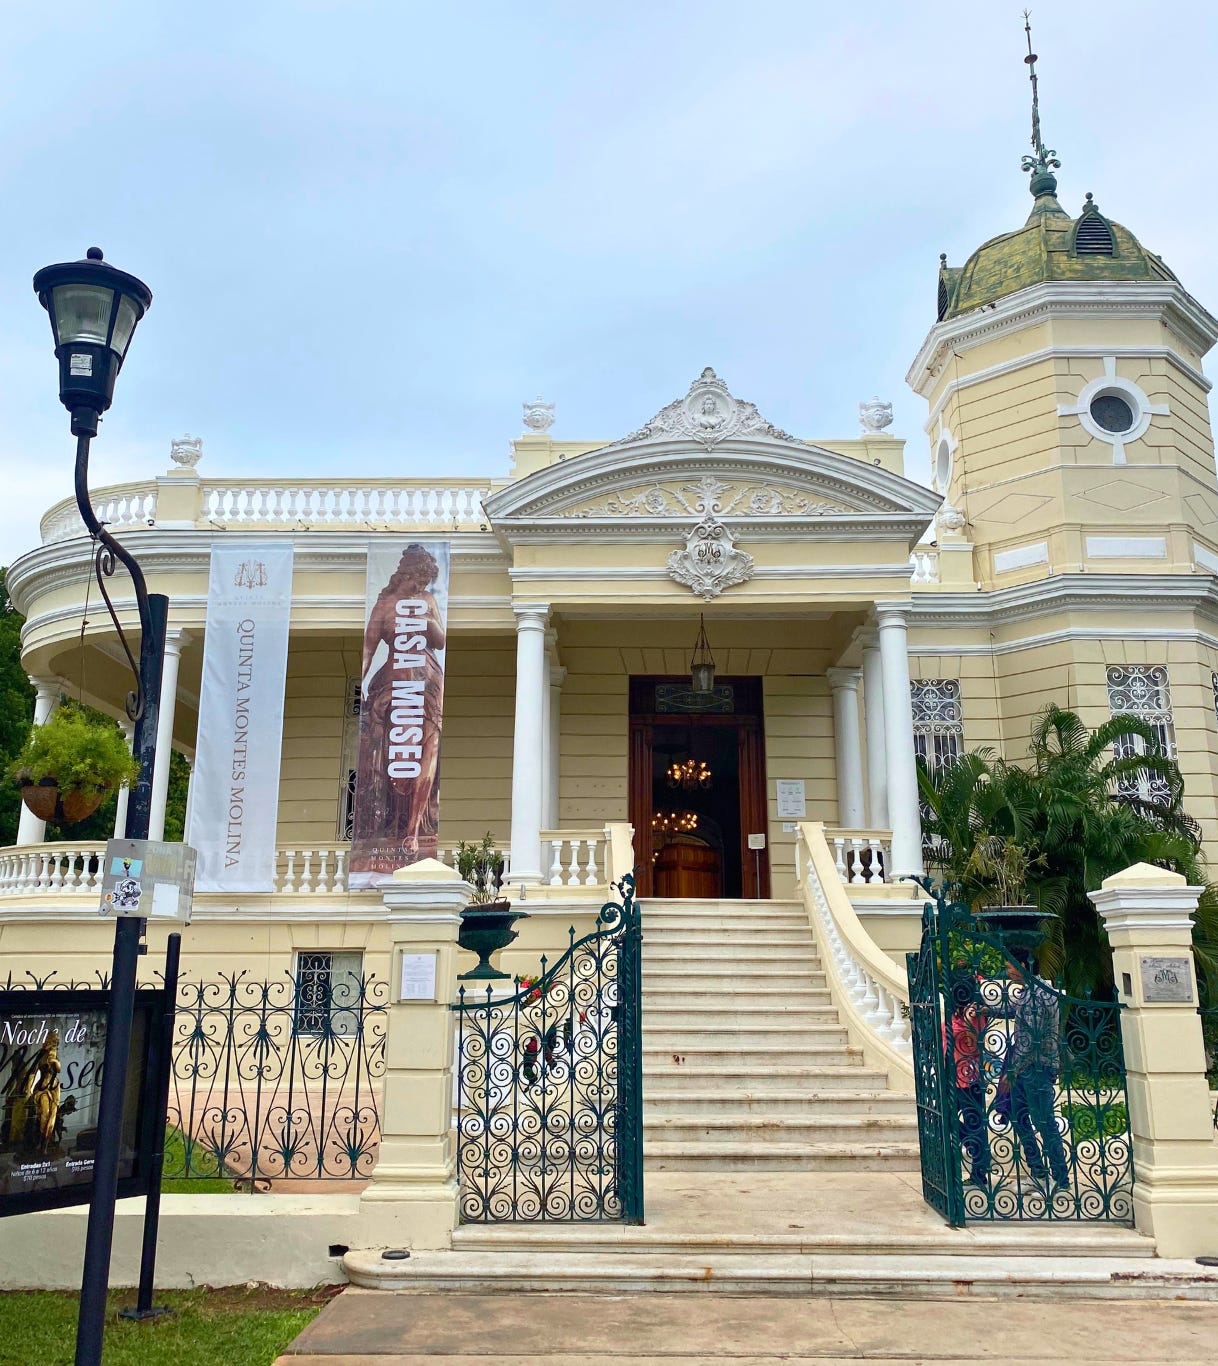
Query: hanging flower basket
x=70, y=763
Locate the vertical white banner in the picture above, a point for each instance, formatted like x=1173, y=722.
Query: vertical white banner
x=234, y=788
x=397, y=782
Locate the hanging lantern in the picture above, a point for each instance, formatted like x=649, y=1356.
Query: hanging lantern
x=702, y=666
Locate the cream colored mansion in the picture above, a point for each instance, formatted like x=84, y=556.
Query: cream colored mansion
x=1067, y=552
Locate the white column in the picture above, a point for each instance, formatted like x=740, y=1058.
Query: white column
x=174, y=640
x=899, y=745
x=847, y=747
x=873, y=724
x=553, y=732
x=30, y=830
x=124, y=793
x=527, y=739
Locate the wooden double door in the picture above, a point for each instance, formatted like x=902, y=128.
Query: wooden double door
x=697, y=789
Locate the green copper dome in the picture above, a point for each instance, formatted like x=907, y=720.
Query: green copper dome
x=1050, y=246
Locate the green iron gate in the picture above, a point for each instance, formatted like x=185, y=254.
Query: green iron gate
x=549, y=1085
x=1022, y=1111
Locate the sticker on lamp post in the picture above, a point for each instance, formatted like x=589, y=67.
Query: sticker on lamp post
x=149, y=879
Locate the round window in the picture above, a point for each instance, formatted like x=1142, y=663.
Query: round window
x=1112, y=413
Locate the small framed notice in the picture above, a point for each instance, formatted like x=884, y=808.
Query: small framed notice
x=756, y=841
x=792, y=799
x=418, y=977
x=1167, y=980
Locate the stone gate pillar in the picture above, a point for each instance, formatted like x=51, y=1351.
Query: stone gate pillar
x=1148, y=913
x=412, y=1200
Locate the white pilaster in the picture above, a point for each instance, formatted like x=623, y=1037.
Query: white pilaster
x=174, y=640
x=899, y=744
x=847, y=747
x=124, y=793
x=873, y=724
x=532, y=686
x=30, y=830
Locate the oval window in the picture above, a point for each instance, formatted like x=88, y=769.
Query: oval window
x=1112, y=413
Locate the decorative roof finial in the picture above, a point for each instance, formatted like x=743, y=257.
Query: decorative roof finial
x=1045, y=162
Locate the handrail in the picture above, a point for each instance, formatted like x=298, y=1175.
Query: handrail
x=869, y=990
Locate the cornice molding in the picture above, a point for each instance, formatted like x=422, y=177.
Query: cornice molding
x=1165, y=299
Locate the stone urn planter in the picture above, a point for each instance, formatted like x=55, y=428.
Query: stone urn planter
x=1017, y=927
x=486, y=929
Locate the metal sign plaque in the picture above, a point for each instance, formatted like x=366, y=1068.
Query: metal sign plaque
x=151, y=879
x=1167, y=980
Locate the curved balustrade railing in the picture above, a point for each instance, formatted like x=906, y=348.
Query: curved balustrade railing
x=333, y=503
x=121, y=505
x=869, y=990
x=51, y=869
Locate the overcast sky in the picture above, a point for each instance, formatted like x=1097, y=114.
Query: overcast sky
x=372, y=229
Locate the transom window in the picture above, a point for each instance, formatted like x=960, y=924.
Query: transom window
x=1143, y=690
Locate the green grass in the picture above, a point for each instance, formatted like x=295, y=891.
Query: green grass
x=237, y=1326
x=207, y=1175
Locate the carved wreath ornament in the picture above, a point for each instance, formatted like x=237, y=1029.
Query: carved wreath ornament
x=710, y=561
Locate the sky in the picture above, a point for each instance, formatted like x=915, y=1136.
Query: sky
x=373, y=229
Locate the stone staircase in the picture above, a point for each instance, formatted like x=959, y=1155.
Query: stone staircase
x=745, y=1062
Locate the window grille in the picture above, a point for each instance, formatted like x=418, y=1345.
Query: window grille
x=1214, y=685
x=350, y=758
x=328, y=991
x=1142, y=690
x=938, y=721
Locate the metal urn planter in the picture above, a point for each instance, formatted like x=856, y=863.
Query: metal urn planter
x=486, y=929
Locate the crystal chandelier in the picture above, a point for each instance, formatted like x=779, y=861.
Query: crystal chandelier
x=690, y=775
x=674, y=822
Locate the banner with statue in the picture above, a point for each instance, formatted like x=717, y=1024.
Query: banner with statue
x=397, y=783
x=234, y=790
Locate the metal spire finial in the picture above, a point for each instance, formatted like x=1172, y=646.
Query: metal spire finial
x=1045, y=161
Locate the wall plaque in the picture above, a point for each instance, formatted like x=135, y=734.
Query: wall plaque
x=418, y=977
x=1167, y=979
x=792, y=799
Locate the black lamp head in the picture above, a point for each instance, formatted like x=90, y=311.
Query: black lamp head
x=94, y=310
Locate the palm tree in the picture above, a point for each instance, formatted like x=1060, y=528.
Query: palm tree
x=1086, y=804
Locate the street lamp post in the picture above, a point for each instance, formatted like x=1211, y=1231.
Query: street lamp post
x=94, y=310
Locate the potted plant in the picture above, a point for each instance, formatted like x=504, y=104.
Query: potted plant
x=70, y=762
x=1007, y=906
x=486, y=923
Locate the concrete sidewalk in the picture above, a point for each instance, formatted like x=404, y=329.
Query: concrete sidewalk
x=375, y=1328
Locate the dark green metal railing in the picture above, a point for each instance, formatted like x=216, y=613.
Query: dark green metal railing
x=1022, y=1109
x=549, y=1085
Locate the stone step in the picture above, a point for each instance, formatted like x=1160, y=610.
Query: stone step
x=749, y=1100
x=741, y=1037
x=669, y=952
x=755, y=932
x=657, y=1060
x=664, y=1155
x=725, y=905
x=662, y=1009
x=766, y=1128
x=918, y=1276
x=929, y=1239
x=743, y=997
x=830, y=1273
x=733, y=1079
x=738, y=941
x=665, y=921
x=713, y=976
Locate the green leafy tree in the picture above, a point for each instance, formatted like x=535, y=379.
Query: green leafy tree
x=16, y=709
x=1082, y=807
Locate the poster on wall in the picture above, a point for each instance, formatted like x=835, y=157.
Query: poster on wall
x=397, y=784
x=234, y=790
x=51, y=1048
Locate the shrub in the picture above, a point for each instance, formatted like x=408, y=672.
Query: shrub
x=77, y=751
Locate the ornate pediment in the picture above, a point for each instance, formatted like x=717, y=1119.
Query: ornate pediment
x=709, y=495
x=708, y=414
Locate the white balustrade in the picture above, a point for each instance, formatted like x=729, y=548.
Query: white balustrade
x=578, y=858
x=126, y=505
x=320, y=870
x=335, y=504
x=861, y=857
x=924, y=566
x=872, y=984
x=51, y=869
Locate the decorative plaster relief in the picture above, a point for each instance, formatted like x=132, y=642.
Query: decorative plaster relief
x=1127, y=547
x=1008, y=508
x=710, y=561
x=1120, y=495
x=708, y=496
x=707, y=414
x=1202, y=506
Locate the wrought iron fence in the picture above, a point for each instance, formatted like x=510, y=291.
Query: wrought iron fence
x=272, y=1079
x=549, y=1084
x=1021, y=1096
